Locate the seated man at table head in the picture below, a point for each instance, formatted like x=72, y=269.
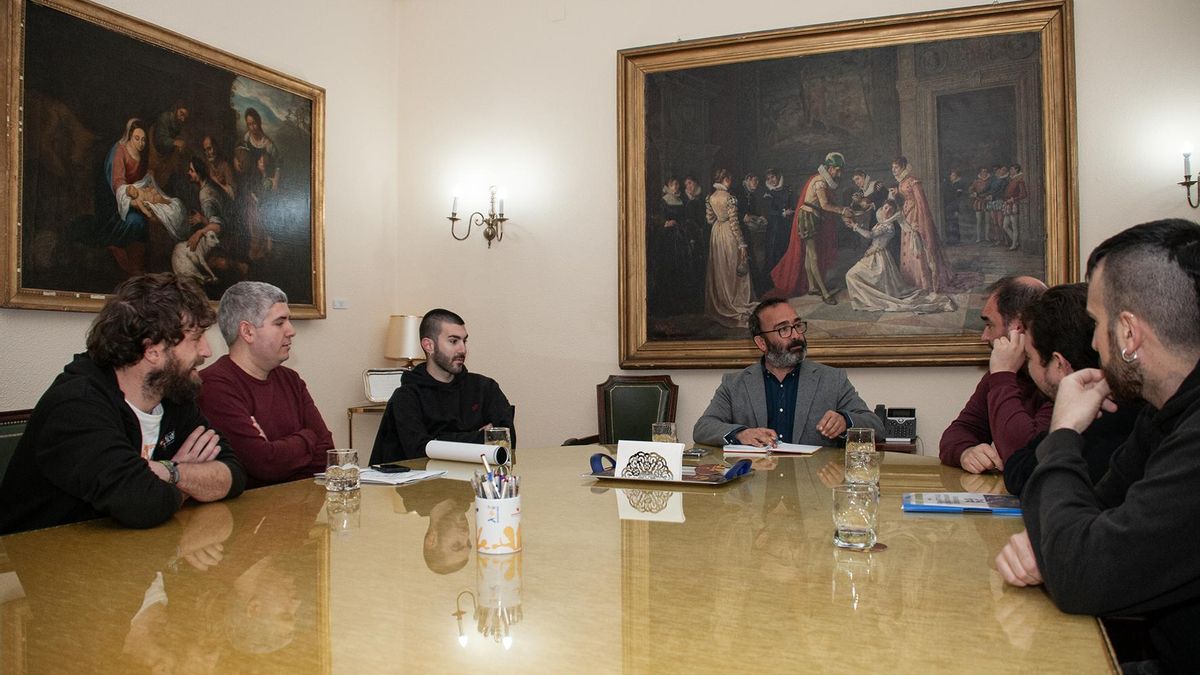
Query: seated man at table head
x=1007, y=410
x=259, y=405
x=119, y=433
x=1058, y=342
x=783, y=397
x=439, y=399
x=1124, y=545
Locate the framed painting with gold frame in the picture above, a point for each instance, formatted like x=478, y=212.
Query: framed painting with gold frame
x=856, y=127
x=130, y=148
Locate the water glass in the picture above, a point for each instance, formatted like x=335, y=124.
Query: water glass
x=862, y=460
x=663, y=432
x=855, y=513
x=341, y=470
x=502, y=437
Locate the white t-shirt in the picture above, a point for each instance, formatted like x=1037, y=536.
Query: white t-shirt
x=151, y=423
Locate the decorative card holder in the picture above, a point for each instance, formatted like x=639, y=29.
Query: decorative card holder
x=646, y=460
x=379, y=383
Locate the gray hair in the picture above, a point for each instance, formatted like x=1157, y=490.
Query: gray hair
x=246, y=301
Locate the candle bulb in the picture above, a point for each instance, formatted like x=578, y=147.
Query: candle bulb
x=454, y=207
x=1187, y=164
x=502, y=207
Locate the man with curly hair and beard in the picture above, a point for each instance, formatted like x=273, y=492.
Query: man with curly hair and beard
x=119, y=432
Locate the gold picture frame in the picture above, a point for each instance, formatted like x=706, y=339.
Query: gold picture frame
x=870, y=91
x=80, y=81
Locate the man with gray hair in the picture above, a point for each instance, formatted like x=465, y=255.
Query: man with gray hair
x=261, y=407
x=1123, y=546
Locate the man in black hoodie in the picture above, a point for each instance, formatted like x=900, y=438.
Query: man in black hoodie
x=1125, y=546
x=119, y=433
x=439, y=399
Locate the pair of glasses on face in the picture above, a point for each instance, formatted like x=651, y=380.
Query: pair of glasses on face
x=785, y=332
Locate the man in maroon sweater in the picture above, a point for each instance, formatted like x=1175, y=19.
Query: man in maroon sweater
x=1007, y=410
x=261, y=407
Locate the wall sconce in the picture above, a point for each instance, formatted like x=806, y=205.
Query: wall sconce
x=492, y=223
x=1187, y=181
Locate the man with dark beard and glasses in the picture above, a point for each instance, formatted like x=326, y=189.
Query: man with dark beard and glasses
x=119, y=433
x=1125, y=546
x=783, y=397
x=439, y=399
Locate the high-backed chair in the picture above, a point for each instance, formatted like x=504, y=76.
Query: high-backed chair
x=626, y=406
x=12, y=425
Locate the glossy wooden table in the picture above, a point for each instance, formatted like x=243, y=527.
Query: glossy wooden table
x=279, y=580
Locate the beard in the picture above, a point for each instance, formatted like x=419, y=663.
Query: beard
x=174, y=382
x=446, y=362
x=1124, y=379
x=784, y=356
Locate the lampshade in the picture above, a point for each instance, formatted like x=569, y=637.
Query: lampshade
x=404, y=338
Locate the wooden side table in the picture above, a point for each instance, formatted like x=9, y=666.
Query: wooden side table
x=377, y=408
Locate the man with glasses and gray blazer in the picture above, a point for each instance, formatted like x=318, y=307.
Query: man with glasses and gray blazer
x=783, y=397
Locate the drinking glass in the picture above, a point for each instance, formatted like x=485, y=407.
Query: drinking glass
x=341, y=470
x=663, y=432
x=500, y=436
x=855, y=513
x=862, y=460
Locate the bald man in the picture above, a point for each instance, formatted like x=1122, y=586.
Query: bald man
x=1007, y=410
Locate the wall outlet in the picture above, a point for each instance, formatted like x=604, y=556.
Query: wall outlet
x=339, y=303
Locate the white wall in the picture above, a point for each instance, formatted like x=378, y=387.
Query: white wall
x=524, y=94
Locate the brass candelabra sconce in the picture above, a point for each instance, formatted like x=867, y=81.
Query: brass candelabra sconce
x=1187, y=181
x=492, y=223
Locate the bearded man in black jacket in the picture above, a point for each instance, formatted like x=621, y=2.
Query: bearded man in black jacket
x=119, y=432
x=1124, y=546
x=439, y=399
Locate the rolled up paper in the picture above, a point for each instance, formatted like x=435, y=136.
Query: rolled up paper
x=466, y=452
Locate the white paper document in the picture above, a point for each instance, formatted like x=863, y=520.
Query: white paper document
x=465, y=452
x=380, y=478
x=781, y=449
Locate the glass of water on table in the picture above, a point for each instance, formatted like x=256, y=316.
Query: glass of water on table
x=502, y=437
x=862, y=460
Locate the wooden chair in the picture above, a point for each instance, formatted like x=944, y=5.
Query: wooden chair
x=626, y=406
x=12, y=425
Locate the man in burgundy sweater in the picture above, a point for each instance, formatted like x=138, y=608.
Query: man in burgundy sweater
x=1007, y=409
x=261, y=407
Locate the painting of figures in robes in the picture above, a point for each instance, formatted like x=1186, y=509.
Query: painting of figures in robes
x=138, y=150
x=879, y=189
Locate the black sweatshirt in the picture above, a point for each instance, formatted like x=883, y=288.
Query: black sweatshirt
x=423, y=409
x=80, y=457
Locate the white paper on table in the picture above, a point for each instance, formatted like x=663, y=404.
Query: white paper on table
x=380, y=478
x=462, y=452
x=647, y=460
x=656, y=505
x=780, y=449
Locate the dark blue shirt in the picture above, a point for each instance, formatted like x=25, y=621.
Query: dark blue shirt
x=781, y=402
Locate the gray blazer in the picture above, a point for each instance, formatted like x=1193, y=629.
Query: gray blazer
x=741, y=401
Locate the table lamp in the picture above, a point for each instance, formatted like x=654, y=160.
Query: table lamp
x=404, y=339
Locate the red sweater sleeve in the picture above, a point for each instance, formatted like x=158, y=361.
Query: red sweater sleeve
x=1017, y=411
x=969, y=429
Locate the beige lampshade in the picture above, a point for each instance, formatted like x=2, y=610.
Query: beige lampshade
x=404, y=338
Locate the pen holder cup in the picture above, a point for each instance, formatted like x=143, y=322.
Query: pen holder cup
x=498, y=525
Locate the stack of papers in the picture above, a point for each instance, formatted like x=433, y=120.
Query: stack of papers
x=781, y=449
x=379, y=478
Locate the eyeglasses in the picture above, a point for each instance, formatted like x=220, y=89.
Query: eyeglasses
x=785, y=332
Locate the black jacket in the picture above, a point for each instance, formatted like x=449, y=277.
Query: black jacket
x=423, y=409
x=80, y=457
x=1127, y=547
x=1099, y=442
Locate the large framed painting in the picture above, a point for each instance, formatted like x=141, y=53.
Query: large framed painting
x=878, y=175
x=131, y=149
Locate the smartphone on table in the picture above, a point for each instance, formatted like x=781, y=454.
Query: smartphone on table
x=390, y=468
